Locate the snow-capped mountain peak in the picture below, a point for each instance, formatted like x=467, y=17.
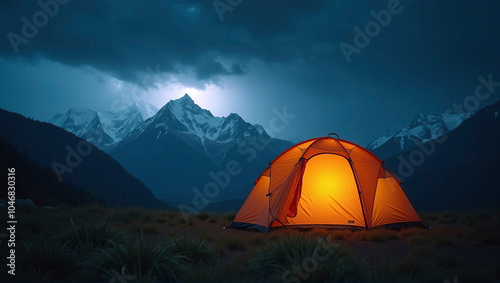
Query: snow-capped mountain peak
x=183, y=144
x=145, y=109
x=429, y=126
x=103, y=128
x=184, y=115
x=186, y=99
x=76, y=120
x=425, y=127
x=184, y=120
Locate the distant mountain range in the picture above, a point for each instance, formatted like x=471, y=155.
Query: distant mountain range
x=75, y=161
x=104, y=129
x=425, y=127
x=458, y=170
x=178, y=147
x=183, y=147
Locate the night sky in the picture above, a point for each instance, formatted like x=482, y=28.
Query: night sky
x=250, y=57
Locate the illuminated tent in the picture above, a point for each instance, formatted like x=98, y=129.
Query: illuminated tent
x=325, y=182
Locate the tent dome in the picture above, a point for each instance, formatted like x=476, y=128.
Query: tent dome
x=324, y=182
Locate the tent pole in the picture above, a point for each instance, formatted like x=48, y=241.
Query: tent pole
x=358, y=185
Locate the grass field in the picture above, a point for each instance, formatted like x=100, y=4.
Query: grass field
x=98, y=244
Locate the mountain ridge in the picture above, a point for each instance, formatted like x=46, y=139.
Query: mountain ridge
x=425, y=127
x=103, y=128
x=456, y=171
x=184, y=143
x=75, y=161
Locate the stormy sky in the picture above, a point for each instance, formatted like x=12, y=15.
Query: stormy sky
x=356, y=68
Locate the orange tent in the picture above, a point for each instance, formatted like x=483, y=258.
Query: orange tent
x=326, y=182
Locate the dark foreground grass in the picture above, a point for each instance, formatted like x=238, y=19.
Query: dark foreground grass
x=46, y=260
x=98, y=244
x=139, y=260
x=305, y=258
x=86, y=237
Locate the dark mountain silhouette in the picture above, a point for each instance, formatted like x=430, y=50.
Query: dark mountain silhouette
x=39, y=184
x=459, y=170
x=76, y=161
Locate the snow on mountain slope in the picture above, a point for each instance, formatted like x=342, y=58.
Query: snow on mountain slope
x=203, y=124
x=184, y=116
x=104, y=128
x=76, y=120
x=453, y=120
x=199, y=128
x=425, y=127
x=198, y=121
x=378, y=142
x=183, y=146
x=381, y=140
x=146, y=110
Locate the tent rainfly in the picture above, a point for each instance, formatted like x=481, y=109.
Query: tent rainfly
x=326, y=182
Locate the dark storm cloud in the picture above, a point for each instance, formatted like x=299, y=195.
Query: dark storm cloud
x=124, y=37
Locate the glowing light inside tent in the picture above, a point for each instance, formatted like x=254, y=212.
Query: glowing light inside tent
x=329, y=193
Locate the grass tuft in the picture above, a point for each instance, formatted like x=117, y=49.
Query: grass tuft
x=47, y=260
x=196, y=252
x=138, y=259
x=313, y=259
x=85, y=237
